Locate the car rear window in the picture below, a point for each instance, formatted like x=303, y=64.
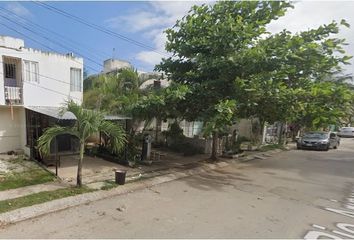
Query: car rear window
x=347, y=129
x=316, y=135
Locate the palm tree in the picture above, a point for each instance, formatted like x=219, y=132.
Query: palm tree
x=87, y=123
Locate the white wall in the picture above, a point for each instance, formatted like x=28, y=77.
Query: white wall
x=10, y=42
x=10, y=129
x=54, y=80
x=2, y=89
x=23, y=134
x=115, y=64
x=54, y=73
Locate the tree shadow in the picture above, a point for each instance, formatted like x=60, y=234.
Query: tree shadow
x=219, y=180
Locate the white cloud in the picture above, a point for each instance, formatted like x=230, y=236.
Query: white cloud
x=311, y=14
x=138, y=21
x=161, y=15
x=151, y=25
x=149, y=57
x=18, y=9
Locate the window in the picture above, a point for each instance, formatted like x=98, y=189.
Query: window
x=10, y=70
x=31, y=71
x=75, y=80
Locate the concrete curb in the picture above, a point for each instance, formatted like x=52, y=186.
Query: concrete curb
x=26, y=213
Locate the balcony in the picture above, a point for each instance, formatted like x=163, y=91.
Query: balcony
x=13, y=91
x=13, y=95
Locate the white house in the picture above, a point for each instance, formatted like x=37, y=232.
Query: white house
x=34, y=84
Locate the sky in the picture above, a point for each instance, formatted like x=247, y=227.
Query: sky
x=136, y=28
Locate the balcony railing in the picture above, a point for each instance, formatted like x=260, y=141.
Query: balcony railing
x=13, y=95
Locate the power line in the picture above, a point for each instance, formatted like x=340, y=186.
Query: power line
x=53, y=41
x=44, y=45
x=97, y=27
x=51, y=90
x=68, y=40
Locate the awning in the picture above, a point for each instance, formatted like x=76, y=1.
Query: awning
x=55, y=113
x=52, y=112
x=116, y=117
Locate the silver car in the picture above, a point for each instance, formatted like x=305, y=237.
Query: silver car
x=318, y=140
x=346, y=132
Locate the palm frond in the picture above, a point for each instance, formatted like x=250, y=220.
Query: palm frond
x=90, y=123
x=75, y=108
x=116, y=133
x=49, y=134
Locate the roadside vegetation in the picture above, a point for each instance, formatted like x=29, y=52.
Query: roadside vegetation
x=41, y=197
x=88, y=122
x=23, y=179
x=225, y=66
x=23, y=173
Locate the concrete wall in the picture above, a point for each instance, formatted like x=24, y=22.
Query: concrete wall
x=206, y=144
x=10, y=129
x=54, y=76
x=10, y=42
x=243, y=127
x=110, y=65
x=23, y=135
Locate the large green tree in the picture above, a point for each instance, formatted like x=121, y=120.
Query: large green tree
x=87, y=123
x=211, y=48
x=223, y=52
x=161, y=104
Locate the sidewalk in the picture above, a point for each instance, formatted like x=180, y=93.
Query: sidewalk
x=24, y=191
x=146, y=179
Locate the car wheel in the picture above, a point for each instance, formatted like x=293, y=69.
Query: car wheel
x=335, y=147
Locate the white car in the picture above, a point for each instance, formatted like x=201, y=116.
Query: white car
x=346, y=132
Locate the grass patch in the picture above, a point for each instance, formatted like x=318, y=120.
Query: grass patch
x=41, y=197
x=271, y=147
x=109, y=185
x=27, y=178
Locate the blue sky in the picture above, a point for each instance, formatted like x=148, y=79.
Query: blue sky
x=143, y=22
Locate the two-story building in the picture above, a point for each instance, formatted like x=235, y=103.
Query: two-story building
x=34, y=85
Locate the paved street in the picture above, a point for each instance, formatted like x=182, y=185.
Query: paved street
x=284, y=196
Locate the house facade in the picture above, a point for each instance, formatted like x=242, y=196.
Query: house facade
x=34, y=84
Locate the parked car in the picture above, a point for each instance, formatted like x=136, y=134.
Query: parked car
x=318, y=140
x=346, y=132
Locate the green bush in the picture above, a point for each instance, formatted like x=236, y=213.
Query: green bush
x=174, y=130
x=184, y=147
x=235, y=147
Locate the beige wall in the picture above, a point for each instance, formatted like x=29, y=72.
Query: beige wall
x=23, y=136
x=10, y=130
x=13, y=131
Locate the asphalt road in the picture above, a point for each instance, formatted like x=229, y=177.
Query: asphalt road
x=284, y=196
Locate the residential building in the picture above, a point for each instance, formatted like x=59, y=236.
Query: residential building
x=34, y=85
x=113, y=65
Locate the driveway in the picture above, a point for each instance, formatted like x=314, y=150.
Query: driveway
x=294, y=194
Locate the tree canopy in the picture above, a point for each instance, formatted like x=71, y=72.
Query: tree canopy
x=223, y=52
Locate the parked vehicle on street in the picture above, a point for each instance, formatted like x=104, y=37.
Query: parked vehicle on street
x=318, y=140
x=346, y=132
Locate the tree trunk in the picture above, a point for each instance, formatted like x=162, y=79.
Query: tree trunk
x=157, y=129
x=261, y=133
x=79, y=166
x=214, y=146
x=280, y=133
